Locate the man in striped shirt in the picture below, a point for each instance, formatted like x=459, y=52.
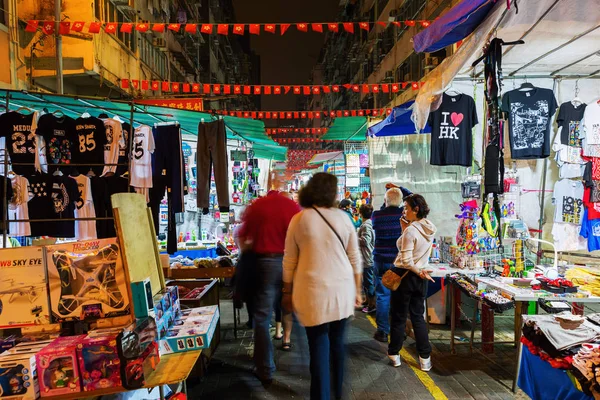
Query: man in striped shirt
x=386, y=223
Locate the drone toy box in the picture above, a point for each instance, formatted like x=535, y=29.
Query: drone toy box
x=23, y=293
x=57, y=367
x=18, y=380
x=87, y=280
x=99, y=361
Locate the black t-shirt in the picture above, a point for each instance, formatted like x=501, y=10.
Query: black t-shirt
x=451, y=131
x=64, y=195
x=89, y=149
x=20, y=140
x=529, y=116
x=41, y=205
x=9, y=195
x=60, y=137
x=569, y=119
x=124, y=150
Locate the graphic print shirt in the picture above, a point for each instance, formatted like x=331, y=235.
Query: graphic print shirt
x=568, y=200
x=451, y=136
x=19, y=131
x=141, y=160
x=18, y=207
x=64, y=195
x=529, y=116
x=569, y=121
x=591, y=124
x=84, y=208
x=41, y=205
x=114, y=142
x=60, y=137
x=89, y=149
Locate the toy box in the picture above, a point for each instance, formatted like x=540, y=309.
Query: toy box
x=163, y=312
x=23, y=293
x=175, y=304
x=199, y=325
x=18, y=378
x=138, y=351
x=99, y=362
x=141, y=293
x=57, y=367
x=87, y=280
x=7, y=343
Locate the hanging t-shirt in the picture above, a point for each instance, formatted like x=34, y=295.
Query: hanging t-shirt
x=567, y=171
x=114, y=142
x=41, y=205
x=84, y=208
x=60, y=137
x=451, y=131
x=102, y=207
x=124, y=149
x=569, y=121
x=89, y=149
x=590, y=229
x=141, y=160
x=9, y=195
x=64, y=196
x=18, y=207
x=568, y=200
x=529, y=116
x=19, y=131
x=591, y=124
x=566, y=237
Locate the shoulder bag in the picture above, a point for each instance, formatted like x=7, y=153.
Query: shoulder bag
x=332, y=228
x=391, y=279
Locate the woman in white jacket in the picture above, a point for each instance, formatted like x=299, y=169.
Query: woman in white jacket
x=322, y=273
x=414, y=249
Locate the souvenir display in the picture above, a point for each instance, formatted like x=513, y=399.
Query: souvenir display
x=87, y=280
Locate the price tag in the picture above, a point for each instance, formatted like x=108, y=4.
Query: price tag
x=224, y=218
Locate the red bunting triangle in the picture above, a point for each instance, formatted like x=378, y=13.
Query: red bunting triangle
x=191, y=28
x=223, y=29
x=158, y=28
x=94, y=27
x=317, y=27
x=255, y=29
x=270, y=28
x=283, y=28
x=111, y=27
x=64, y=28
x=143, y=27
x=48, y=27
x=349, y=27
x=302, y=27
x=174, y=27
x=77, y=26
x=239, y=29
x=126, y=27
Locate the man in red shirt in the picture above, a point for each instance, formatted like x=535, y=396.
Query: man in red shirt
x=265, y=225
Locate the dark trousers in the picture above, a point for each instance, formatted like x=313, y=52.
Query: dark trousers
x=268, y=286
x=409, y=299
x=326, y=343
x=212, y=152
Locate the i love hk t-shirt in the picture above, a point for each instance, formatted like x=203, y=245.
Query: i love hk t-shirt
x=451, y=131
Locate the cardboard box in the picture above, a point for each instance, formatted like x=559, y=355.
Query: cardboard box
x=87, y=280
x=23, y=289
x=141, y=293
x=99, y=362
x=57, y=367
x=198, y=336
x=138, y=351
x=18, y=377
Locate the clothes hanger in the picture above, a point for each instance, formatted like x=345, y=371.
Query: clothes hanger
x=103, y=116
x=118, y=119
x=576, y=101
x=86, y=114
x=57, y=172
x=23, y=108
x=526, y=86
x=91, y=173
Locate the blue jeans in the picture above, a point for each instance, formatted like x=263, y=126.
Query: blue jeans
x=382, y=315
x=268, y=286
x=326, y=342
x=369, y=281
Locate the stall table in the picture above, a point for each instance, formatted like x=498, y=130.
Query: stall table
x=172, y=369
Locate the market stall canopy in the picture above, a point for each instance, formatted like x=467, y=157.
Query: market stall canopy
x=322, y=158
x=455, y=25
x=347, y=129
x=560, y=41
x=252, y=131
x=397, y=123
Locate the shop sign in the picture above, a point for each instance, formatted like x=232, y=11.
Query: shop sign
x=189, y=104
x=352, y=180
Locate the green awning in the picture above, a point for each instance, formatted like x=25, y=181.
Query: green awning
x=249, y=130
x=352, y=129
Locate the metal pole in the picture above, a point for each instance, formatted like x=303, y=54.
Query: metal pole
x=6, y=178
x=59, y=60
x=130, y=144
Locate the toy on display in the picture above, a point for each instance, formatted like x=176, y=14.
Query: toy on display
x=23, y=293
x=57, y=367
x=193, y=331
x=138, y=351
x=99, y=361
x=87, y=280
x=18, y=379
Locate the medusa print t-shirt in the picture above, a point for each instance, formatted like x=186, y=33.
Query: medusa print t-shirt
x=530, y=120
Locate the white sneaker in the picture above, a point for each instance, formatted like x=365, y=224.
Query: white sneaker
x=425, y=364
x=395, y=360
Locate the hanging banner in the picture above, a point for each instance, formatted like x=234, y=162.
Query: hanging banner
x=189, y=104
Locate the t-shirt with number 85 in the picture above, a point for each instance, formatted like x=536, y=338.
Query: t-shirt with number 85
x=141, y=157
x=89, y=148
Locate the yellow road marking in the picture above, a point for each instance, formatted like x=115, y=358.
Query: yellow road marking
x=424, y=377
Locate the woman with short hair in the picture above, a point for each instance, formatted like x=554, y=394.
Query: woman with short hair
x=322, y=273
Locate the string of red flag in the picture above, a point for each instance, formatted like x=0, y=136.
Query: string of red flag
x=379, y=112
x=306, y=90
x=302, y=140
x=310, y=131
x=48, y=27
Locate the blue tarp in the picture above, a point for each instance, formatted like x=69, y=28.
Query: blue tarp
x=453, y=26
x=397, y=123
x=540, y=381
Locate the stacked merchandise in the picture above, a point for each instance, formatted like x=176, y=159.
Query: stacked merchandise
x=568, y=342
x=590, y=133
x=493, y=298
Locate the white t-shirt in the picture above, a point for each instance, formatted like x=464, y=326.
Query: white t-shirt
x=566, y=237
x=591, y=123
x=84, y=208
x=141, y=157
x=571, y=171
x=114, y=141
x=568, y=200
x=18, y=208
